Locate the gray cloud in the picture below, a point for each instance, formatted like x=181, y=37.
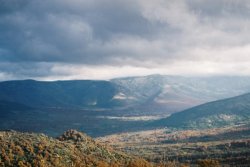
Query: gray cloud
x=151, y=35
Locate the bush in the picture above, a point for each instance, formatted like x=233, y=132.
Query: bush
x=208, y=163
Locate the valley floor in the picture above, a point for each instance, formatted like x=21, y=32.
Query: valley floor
x=229, y=146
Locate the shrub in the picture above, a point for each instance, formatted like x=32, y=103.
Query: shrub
x=208, y=163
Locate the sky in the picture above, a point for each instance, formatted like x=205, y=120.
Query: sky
x=103, y=39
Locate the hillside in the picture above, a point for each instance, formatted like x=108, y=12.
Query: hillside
x=73, y=149
x=105, y=107
x=168, y=94
x=61, y=94
x=54, y=121
x=9, y=106
x=151, y=95
x=231, y=111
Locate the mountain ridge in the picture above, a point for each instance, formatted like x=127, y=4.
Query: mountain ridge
x=224, y=112
x=53, y=107
x=151, y=94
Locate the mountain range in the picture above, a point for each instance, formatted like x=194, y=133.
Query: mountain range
x=150, y=94
x=106, y=107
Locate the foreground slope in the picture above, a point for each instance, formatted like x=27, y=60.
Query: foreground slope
x=71, y=149
x=232, y=111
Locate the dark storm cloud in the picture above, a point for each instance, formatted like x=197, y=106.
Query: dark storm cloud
x=9, y=6
x=39, y=37
x=58, y=31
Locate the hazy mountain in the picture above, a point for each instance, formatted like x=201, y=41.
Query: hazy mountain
x=60, y=94
x=231, y=111
x=168, y=94
x=150, y=94
x=54, y=121
x=9, y=106
x=53, y=107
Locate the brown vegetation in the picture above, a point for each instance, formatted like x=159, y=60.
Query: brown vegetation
x=72, y=149
x=208, y=163
x=229, y=146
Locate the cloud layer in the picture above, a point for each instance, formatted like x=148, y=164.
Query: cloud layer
x=77, y=39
